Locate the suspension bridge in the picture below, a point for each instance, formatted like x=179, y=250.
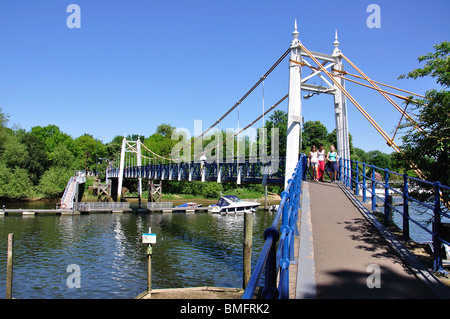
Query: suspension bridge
x=220, y=164
x=317, y=243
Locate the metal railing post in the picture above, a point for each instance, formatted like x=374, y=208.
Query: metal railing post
x=270, y=290
x=405, y=208
x=347, y=170
x=357, y=178
x=364, y=198
x=374, y=200
x=387, y=208
x=437, y=244
x=351, y=175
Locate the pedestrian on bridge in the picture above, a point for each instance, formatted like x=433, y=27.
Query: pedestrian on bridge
x=332, y=158
x=321, y=159
x=314, y=161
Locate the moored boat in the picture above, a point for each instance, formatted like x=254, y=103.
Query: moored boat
x=233, y=204
x=187, y=207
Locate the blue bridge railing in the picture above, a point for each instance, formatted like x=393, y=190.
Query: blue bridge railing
x=246, y=169
x=277, y=260
x=382, y=184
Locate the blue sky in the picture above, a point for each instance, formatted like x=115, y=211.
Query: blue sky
x=136, y=64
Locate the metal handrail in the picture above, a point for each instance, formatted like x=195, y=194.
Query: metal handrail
x=277, y=260
x=351, y=179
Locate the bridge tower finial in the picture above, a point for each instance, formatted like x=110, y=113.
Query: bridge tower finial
x=336, y=44
x=295, y=33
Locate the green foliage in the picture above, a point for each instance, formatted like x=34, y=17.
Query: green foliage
x=314, y=133
x=54, y=181
x=429, y=148
x=15, y=183
x=4, y=118
x=378, y=159
x=277, y=120
x=212, y=190
x=165, y=130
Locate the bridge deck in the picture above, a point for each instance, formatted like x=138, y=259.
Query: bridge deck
x=336, y=246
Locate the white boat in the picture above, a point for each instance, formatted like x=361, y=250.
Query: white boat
x=232, y=204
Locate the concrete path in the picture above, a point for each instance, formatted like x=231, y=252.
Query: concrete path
x=341, y=253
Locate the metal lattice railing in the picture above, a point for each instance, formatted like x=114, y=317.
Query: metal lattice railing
x=278, y=251
x=381, y=184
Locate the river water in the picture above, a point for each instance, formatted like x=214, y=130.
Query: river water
x=192, y=249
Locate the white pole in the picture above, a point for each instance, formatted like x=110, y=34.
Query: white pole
x=294, y=107
x=121, y=169
x=139, y=164
x=342, y=135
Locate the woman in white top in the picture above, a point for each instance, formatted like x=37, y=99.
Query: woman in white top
x=321, y=167
x=314, y=161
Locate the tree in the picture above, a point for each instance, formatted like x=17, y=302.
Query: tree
x=54, y=181
x=4, y=118
x=429, y=149
x=165, y=130
x=88, y=151
x=314, y=133
x=52, y=137
x=38, y=161
x=278, y=120
x=15, y=183
x=378, y=159
x=15, y=153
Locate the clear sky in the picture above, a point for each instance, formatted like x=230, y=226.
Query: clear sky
x=136, y=64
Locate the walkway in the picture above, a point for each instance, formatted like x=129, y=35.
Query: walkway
x=338, y=247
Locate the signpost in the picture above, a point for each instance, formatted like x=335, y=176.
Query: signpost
x=149, y=239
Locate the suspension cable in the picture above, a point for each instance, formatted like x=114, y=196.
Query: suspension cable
x=357, y=105
x=240, y=100
x=251, y=124
x=383, y=84
x=390, y=100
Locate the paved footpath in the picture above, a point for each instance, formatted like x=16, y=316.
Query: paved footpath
x=340, y=251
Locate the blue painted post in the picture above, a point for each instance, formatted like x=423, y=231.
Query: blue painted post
x=437, y=244
x=340, y=169
x=351, y=175
x=347, y=162
x=357, y=179
x=387, y=202
x=364, y=198
x=405, y=208
x=294, y=209
x=374, y=199
x=270, y=290
x=284, y=263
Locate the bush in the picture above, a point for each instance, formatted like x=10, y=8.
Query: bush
x=212, y=190
x=54, y=181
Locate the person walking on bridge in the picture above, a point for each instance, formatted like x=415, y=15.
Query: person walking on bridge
x=314, y=161
x=321, y=158
x=332, y=158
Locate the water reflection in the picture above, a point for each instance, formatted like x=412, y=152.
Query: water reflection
x=192, y=250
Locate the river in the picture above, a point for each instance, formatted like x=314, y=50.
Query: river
x=193, y=249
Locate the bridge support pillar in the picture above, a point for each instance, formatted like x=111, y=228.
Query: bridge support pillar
x=239, y=175
x=154, y=191
x=121, y=170
x=294, y=107
x=219, y=173
x=114, y=188
x=340, y=107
